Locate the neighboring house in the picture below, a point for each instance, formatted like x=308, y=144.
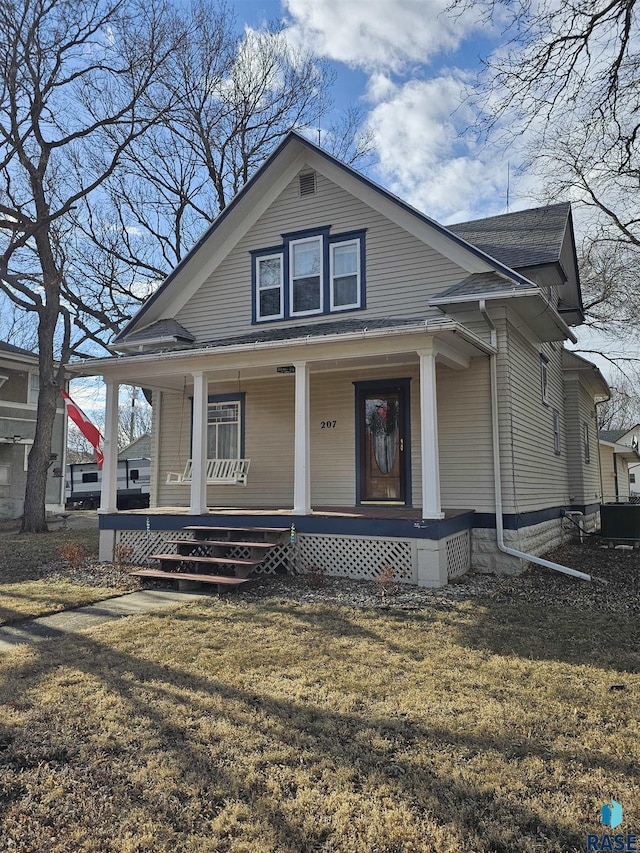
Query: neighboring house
x=620, y=463
x=383, y=383
x=140, y=448
x=19, y=386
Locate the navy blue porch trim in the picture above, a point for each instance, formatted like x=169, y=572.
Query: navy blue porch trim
x=339, y=526
x=401, y=528
x=514, y=521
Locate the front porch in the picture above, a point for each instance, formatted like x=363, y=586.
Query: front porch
x=359, y=440
x=354, y=542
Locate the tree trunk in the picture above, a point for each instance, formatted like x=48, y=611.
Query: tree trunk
x=34, y=519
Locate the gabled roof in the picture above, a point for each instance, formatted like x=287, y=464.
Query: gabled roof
x=163, y=329
x=572, y=362
x=525, y=238
x=13, y=350
x=276, y=172
x=484, y=284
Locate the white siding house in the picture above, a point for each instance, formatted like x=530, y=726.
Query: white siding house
x=383, y=384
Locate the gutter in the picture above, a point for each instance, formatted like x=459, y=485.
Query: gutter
x=429, y=327
x=497, y=473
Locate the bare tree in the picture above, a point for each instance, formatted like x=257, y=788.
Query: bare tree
x=568, y=78
x=232, y=100
x=74, y=94
x=622, y=411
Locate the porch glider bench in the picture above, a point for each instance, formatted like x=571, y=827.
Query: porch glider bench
x=220, y=472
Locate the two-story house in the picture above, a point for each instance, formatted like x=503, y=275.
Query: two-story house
x=329, y=357
x=19, y=385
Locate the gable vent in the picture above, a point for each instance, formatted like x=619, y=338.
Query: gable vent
x=307, y=183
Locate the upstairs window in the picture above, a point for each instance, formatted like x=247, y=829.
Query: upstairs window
x=313, y=272
x=586, y=447
x=556, y=432
x=345, y=275
x=544, y=379
x=34, y=388
x=306, y=276
x=269, y=282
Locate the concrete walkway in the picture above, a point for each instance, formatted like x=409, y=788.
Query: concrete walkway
x=84, y=618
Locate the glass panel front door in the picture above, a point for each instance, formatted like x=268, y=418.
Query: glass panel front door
x=382, y=446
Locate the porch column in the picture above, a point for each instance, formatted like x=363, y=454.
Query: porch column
x=198, y=505
x=109, y=490
x=302, y=460
x=431, y=508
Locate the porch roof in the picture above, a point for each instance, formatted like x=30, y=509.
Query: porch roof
x=268, y=347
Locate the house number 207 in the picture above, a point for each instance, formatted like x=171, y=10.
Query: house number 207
x=327, y=424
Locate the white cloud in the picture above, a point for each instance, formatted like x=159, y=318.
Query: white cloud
x=425, y=156
x=377, y=34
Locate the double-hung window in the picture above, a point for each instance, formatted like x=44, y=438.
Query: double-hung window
x=544, y=379
x=556, y=432
x=269, y=286
x=34, y=388
x=312, y=272
x=305, y=266
x=344, y=275
x=224, y=429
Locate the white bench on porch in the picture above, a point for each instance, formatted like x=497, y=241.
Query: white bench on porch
x=220, y=472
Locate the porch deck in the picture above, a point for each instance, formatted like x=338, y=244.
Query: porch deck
x=377, y=511
x=386, y=521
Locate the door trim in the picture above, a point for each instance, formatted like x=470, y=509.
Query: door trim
x=404, y=386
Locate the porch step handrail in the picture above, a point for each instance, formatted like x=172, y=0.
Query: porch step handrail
x=220, y=472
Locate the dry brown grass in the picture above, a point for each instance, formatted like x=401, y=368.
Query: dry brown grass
x=274, y=726
x=42, y=573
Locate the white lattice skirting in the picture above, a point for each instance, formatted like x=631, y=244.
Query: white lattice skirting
x=458, y=552
x=358, y=557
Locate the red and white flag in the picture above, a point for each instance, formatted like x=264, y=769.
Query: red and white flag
x=90, y=431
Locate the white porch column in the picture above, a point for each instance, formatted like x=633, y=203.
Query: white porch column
x=198, y=505
x=109, y=490
x=302, y=456
x=431, y=508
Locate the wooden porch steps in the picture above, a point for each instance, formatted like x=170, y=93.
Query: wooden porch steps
x=197, y=577
x=209, y=547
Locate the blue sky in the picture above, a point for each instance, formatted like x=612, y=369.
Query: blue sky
x=406, y=64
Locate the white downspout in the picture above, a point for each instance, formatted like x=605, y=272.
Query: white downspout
x=497, y=476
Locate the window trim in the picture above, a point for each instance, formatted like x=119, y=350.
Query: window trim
x=555, y=414
x=258, y=258
x=314, y=238
x=236, y=396
x=6, y=466
x=327, y=240
x=586, y=445
x=544, y=379
x=334, y=244
x=31, y=402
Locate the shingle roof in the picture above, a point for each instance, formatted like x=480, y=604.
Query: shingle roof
x=524, y=238
x=481, y=283
x=6, y=347
x=612, y=435
x=162, y=329
x=317, y=330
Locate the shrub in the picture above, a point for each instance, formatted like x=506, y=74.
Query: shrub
x=72, y=553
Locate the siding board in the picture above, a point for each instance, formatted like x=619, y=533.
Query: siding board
x=402, y=273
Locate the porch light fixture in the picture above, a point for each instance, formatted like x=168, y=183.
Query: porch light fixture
x=289, y=368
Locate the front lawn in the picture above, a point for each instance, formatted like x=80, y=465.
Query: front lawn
x=260, y=726
x=36, y=580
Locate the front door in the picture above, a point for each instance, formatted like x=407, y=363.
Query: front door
x=382, y=443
